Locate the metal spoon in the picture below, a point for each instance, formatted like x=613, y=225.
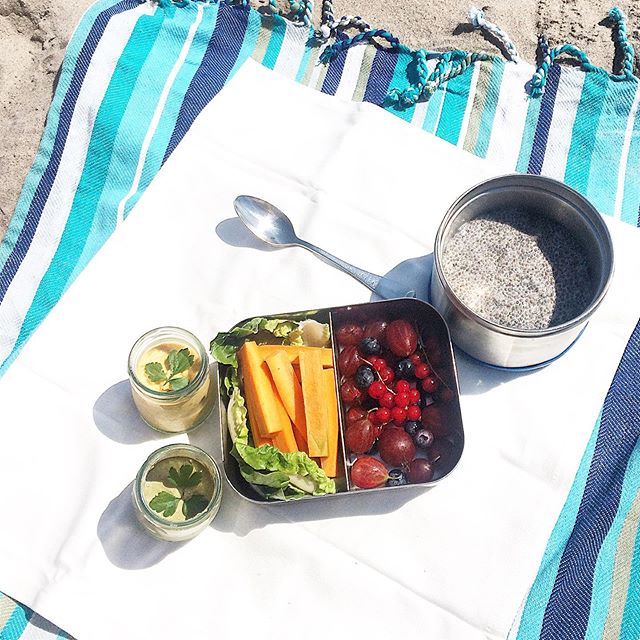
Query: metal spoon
x=270, y=224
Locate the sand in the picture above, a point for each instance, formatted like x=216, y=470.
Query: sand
x=34, y=34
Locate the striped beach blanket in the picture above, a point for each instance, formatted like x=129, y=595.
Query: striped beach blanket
x=138, y=72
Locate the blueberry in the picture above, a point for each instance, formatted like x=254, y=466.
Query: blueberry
x=396, y=478
x=405, y=369
x=370, y=347
x=411, y=427
x=423, y=438
x=364, y=376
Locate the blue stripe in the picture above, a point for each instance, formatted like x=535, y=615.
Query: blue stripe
x=382, y=69
x=544, y=121
x=489, y=110
x=607, y=150
x=568, y=609
x=583, y=136
x=46, y=182
x=604, y=571
x=334, y=70
x=434, y=109
x=254, y=26
x=16, y=624
x=404, y=69
x=167, y=123
x=454, y=107
x=278, y=30
x=630, y=627
x=95, y=171
x=222, y=52
x=51, y=126
x=135, y=124
x=533, y=612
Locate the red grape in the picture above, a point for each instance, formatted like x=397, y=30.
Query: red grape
x=401, y=338
x=375, y=329
x=368, y=473
x=350, y=334
x=350, y=393
x=360, y=436
x=354, y=414
x=349, y=360
x=434, y=418
x=396, y=446
x=420, y=470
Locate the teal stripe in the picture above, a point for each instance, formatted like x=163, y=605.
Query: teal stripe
x=305, y=60
x=631, y=198
x=533, y=613
x=169, y=117
x=583, y=135
x=603, y=574
x=454, y=107
x=16, y=624
x=85, y=204
x=433, y=110
x=400, y=81
x=489, y=110
x=48, y=137
x=254, y=25
x=275, y=41
x=630, y=627
x=528, y=135
x=135, y=123
x=603, y=174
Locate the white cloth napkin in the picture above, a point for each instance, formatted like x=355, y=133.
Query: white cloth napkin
x=453, y=562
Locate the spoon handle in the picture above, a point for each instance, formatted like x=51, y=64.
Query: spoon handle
x=369, y=280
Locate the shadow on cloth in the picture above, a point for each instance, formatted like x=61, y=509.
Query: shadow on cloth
x=125, y=543
x=117, y=417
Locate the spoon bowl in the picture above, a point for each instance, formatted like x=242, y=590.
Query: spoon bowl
x=272, y=226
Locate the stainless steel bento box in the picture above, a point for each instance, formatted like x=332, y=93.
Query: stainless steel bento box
x=431, y=329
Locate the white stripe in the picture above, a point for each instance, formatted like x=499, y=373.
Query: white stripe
x=54, y=216
x=155, y=120
x=317, y=68
x=292, y=50
x=565, y=109
x=420, y=111
x=470, y=100
x=510, y=116
x=622, y=169
x=351, y=72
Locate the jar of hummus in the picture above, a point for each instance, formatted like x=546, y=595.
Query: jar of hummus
x=170, y=379
x=177, y=492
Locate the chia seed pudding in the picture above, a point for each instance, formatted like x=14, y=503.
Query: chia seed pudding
x=518, y=269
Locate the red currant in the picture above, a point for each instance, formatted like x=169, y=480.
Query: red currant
x=387, y=400
x=430, y=384
x=399, y=415
x=413, y=412
x=422, y=371
x=376, y=389
x=414, y=396
x=382, y=415
x=379, y=364
x=401, y=399
x=415, y=359
x=402, y=386
x=387, y=374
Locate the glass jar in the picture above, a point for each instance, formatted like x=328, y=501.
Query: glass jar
x=162, y=407
x=151, y=480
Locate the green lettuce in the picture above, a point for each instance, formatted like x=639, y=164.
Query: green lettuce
x=282, y=476
x=274, y=474
x=224, y=346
